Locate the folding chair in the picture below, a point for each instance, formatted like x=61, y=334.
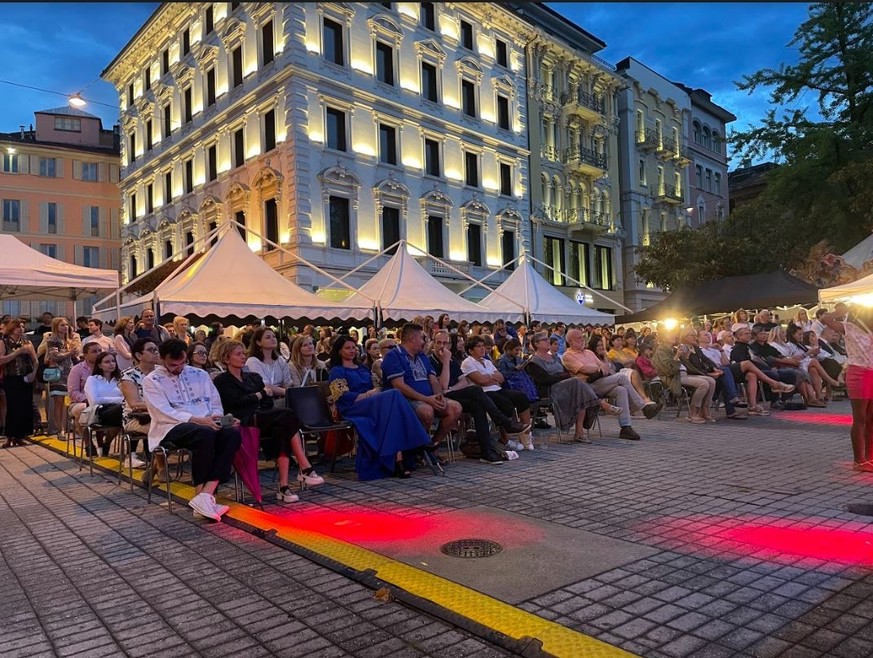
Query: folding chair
x=309, y=404
x=165, y=450
x=124, y=450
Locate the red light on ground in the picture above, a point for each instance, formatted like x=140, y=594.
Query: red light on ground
x=814, y=417
x=842, y=546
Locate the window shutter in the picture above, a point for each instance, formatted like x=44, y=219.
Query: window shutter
x=25, y=224
x=77, y=255
x=86, y=221
x=23, y=164
x=103, y=256
x=59, y=167
x=77, y=169
x=113, y=173
x=104, y=225
x=60, y=252
x=102, y=172
x=34, y=164
x=60, y=221
x=113, y=223
x=43, y=217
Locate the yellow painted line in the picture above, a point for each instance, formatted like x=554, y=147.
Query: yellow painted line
x=557, y=640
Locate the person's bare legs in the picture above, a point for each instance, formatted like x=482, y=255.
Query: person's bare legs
x=637, y=383
x=449, y=419
x=580, y=423
x=59, y=413
x=815, y=380
x=862, y=430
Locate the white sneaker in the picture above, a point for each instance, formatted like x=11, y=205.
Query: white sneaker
x=136, y=462
x=511, y=454
x=514, y=445
x=311, y=480
x=221, y=510
x=285, y=495
x=203, y=505
x=527, y=441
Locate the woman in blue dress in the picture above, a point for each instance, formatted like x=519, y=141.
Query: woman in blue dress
x=390, y=432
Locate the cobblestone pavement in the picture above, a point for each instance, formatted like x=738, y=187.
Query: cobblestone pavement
x=757, y=553
x=89, y=569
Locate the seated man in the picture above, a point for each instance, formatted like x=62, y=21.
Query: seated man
x=670, y=359
x=755, y=368
x=698, y=363
x=79, y=374
x=185, y=411
x=408, y=369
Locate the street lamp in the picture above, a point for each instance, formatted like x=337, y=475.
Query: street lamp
x=76, y=100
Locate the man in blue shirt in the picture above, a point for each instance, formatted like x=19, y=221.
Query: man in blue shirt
x=408, y=369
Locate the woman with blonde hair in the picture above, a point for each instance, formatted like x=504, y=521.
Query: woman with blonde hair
x=62, y=350
x=303, y=366
x=123, y=340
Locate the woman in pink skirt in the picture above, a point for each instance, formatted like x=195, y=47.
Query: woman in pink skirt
x=859, y=379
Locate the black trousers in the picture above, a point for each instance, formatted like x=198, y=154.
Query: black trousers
x=509, y=401
x=212, y=450
x=19, y=407
x=278, y=427
x=475, y=402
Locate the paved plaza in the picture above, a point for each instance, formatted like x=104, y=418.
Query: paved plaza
x=730, y=539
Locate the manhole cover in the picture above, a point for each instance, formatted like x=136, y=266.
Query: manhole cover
x=863, y=509
x=471, y=548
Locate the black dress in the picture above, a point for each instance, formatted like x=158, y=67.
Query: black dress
x=19, y=393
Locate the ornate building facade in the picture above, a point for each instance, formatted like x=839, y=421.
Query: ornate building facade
x=330, y=129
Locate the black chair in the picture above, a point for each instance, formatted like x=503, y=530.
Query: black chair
x=309, y=404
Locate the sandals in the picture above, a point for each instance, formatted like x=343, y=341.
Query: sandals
x=758, y=410
x=863, y=467
x=697, y=420
x=783, y=388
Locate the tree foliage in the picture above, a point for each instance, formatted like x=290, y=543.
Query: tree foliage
x=823, y=188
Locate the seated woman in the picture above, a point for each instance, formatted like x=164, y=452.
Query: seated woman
x=389, y=431
x=198, y=355
x=809, y=382
x=265, y=360
x=668, y=360
x=303, y=367
x=134, y=410
x=809, y=360
x=245, y=396
x=573, y=401
x=511, y=365
x=828, y=359
x=484, y=373
x=102, y=387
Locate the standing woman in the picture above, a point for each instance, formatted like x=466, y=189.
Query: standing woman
x=304, y=367
x=18, y=357
x=63, y=348
x=246, y=397
x=859, y=381
x=264, y=359
x=444, y=322
x=389, y=431
x=124, y=339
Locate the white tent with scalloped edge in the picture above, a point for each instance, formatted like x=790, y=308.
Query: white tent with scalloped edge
x=540, y=300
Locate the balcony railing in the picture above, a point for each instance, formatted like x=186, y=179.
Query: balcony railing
x=648, y=138
x=549, y=153
x=585, y=99
x=580, y=154
x=438, y=269
x=584, y=216
x=669, y=193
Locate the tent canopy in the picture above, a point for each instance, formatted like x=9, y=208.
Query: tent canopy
x=231, y=281
x=403, y=289
x=860, y=253
x=539, y=299
x=28, y=274
x=858, y=291
x=723, y=295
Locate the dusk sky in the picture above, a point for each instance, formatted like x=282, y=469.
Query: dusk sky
x=63, y=47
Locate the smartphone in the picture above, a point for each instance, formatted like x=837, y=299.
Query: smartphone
x=226, y=420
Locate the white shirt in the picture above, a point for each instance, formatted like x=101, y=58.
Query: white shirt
x=713, y=354
x=276, y=374
x=172, y=400
x=470, y=364
x=100, y=391
x=105, y=342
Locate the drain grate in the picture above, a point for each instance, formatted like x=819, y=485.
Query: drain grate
x=862, y=509
x=471, y=548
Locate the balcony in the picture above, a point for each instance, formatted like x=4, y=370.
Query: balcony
x=680, y=156
x=438, y=269
x=669, y=194
x=584, y=161
x=667, y=148
x=647, y=139
x=581, y=220
x=549, y=153
x=586, y=105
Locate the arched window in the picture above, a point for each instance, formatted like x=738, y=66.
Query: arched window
x=696, y=132
x=716, y=142
x=707, y=139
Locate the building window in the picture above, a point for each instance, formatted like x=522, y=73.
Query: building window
x=642, y=173
x=47, y=167
x=501, y=49
x=209, y=21
x=708, y=179
x=268, y=48
x=212, y=162
x=717, y=184
x=148, y=135
x=68, y=124
x=432, y=165
x=165, y=61
x=429, y=86
x=677, y=183
x=471, y=169
x=336, y=129
x=150, y=198
x=132, y=209
x=188, y=105
x=239, y=153
x=147, y=78
x=94, y=220
x=210, y=87
x=707, y=139
x=271, y=223
x=695, y=132
x=716, y=142
x=340, y=223
x=150, y=258
x=189, y=176
x=427, y=15
x=168, y=249
x=50, y=250
x=236, y=66
x=10, y=163
x=502, y=112
x=467, y=35
x=602, y=267
x=507, y=245
x=240, y=218
x=130, y=94
x=468, y=97
x=384, y=63
x=506, y=179
x=270, y=130
x=553, y=256
x=579, y=261
x=11, y=215
x=698, y=172
x=186, y=41
x=168, y=186
x=168, y=126
x=332, y=38
x=132, y=146
x=91, y=257
x=474, y=244
x=387, y=144
x=189, y=243
x=90, y=171
x=51, y=217
x=390, y=229
x=435, y=236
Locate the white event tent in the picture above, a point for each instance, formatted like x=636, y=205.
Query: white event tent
x=860, y=291
x=28, y=274
x=860, y=254
x=540, y=300
x=403, y=289
x=231, y=281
